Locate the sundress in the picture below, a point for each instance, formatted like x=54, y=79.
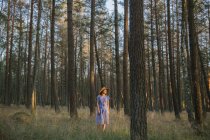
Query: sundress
x=103, y=117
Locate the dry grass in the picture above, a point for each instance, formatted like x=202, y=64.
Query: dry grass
x=47, y=125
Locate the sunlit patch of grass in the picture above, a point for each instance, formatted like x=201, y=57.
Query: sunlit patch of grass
x=48, y=125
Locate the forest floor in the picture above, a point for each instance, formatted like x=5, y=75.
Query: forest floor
x=16, y=123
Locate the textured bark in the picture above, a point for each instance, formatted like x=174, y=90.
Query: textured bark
x=172, y=73
x=92, y=78
x=170, y=103
x=194, y=64
x=153, y=62
x=186, y=70
x=160, y=62
x=53, y=74
x=29, y=77
x=179, y=91
x=138, y=126
x=98, y=62
x=117, y=56
x=126, y=94
x=19, y=69
x=36, y=60
x=149, y=90
x=45, y=92
x=205, y=77
x=10, y=57
x=81, y=77
x=6, y=93
x=25, y=58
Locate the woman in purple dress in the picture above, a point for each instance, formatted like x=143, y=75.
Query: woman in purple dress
x=102, y=114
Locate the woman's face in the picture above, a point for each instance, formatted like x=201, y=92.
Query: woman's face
x=105, y=92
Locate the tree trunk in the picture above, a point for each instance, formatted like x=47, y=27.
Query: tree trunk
x=170, y=103
x=195, y=64
x=149, y=90
x=159, y=59
x=29, y=77
x=204, y=74
x=6, y=95
x=179, y=91
x=10, y=58
x=45, y=92
x=19, y=55
x=138, y=126
x=36, y=60
x=98, y=63
x=117, y=57
x=53, y=74
x=92, y=78
x=81, y=79
x=153, y=62
x=186, y=71
x=126, y=94
x=172, y=73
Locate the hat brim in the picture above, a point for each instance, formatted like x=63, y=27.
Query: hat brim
x=103, y=90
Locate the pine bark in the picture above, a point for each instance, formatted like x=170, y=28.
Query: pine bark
x=160, y=62
x=153, y=61
x=126, y=94
x=195, y=64
x=117, y=56
x=19, y=55
x=92, y=72
x=53, y=73
x=138, y=126
x=29, y=75
x=172, y=73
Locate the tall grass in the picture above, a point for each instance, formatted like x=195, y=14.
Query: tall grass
x=47, y=125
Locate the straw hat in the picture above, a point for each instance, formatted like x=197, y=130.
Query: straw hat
x=102, y=89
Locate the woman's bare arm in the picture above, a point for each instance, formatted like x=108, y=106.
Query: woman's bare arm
x=98, y=108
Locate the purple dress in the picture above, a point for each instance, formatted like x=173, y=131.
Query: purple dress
x=103, y=117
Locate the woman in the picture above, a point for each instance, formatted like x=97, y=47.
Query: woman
x=102, y=114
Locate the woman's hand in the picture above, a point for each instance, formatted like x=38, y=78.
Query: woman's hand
x=99, y=112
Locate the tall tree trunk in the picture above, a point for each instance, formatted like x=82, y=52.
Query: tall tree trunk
x=205, y=77
x=138, y=126
x=117, y=57
x=194, y=64
x=112, y=86
x=29, y=77
x=186, y=70
x=6, y=95
x=10, y=58
x=153, y=62
x=159, y=59
x=170, y=103
x=92, y=78
x=81, y=77
x=172, y=73
x=126, y=94
x=25, y=59
x=45, y=92
x=36, y=60
x=178, y=61
x=149, y=91
x=53, y=73
x=19, y=54
x=98, y=62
